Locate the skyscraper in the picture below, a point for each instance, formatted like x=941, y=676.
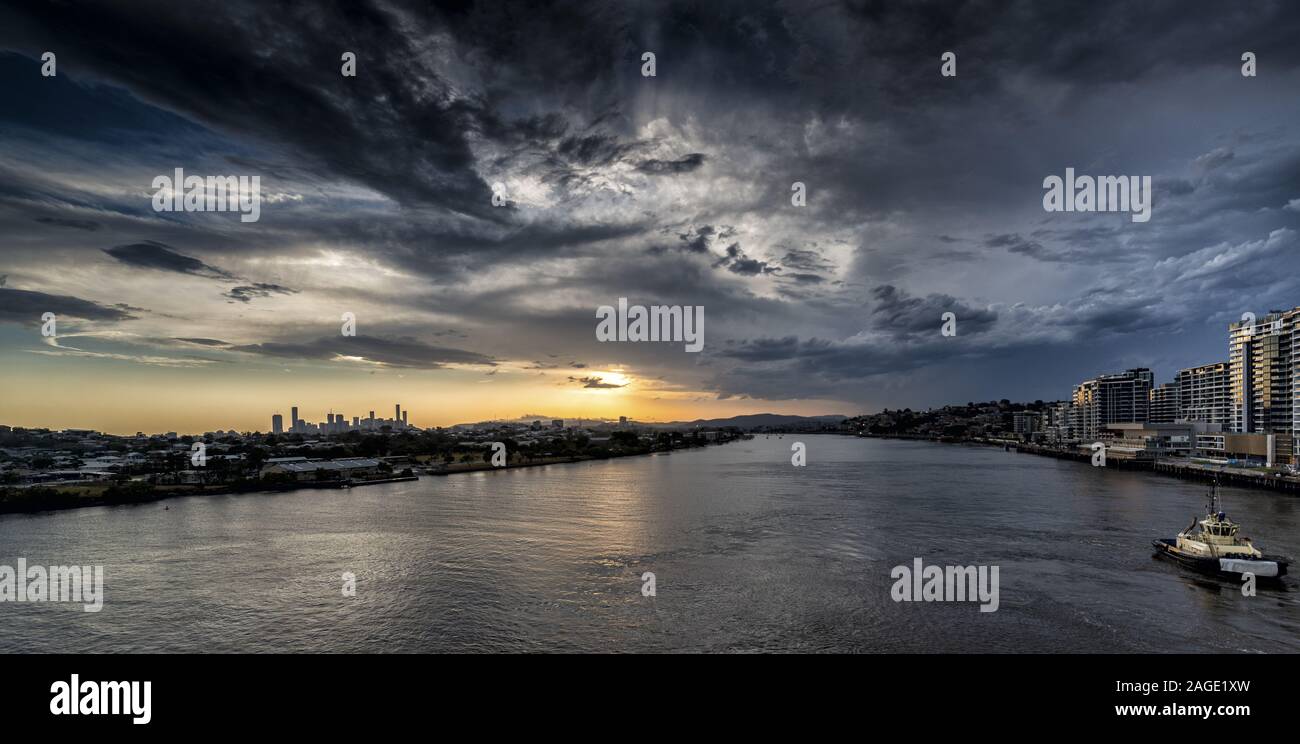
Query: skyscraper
x=293, y=419
x=277, y=424
x=397, y=412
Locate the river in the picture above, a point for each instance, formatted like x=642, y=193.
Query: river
x=748, y=552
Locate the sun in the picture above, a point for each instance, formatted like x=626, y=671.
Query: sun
x=614, y=378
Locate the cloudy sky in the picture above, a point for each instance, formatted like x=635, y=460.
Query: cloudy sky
x=924, y=196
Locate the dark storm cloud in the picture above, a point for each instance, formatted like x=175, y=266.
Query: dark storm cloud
x=806, y=260
x=790, y=368
x=394, y=127
x=593, y=150
x=897, y=312
x=1066, y=246
x=1229, y=268
x=771, y=349
x=1103, y=312
x=1012, y=242
x=696, y=240
x=447, y=256
x=805, y=278
x=924, y=192
x=88, y=225
x=392, y=352
x=737, y=262
x=1077, y=41
x=261, y=289
x=595, y=383
x=699, y=240
x=902, y=336
x=661, y=167
x=150, y=254
x=203, y=341
x=277, y=75
x=24, y=306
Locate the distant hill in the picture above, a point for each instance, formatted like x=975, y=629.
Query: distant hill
x=754, y=420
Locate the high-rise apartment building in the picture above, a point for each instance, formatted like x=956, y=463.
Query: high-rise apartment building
x=1165, y=404
x=1026, y=423
x=1112, y=399
x=1061, y=421
x=1205, y=394
x=277, y=424
x=1263, y=369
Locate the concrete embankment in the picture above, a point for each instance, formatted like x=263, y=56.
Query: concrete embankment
x=1184, y=470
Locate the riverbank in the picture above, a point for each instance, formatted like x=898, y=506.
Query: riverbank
x=479, y=465
x=1170, y=467
x=474, y=466
x=37, y=499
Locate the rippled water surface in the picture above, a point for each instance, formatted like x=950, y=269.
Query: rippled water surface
x=749, y=554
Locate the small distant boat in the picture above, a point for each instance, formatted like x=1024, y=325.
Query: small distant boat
x=1215, y=548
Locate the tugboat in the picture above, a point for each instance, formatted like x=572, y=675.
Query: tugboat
x=1216, y=549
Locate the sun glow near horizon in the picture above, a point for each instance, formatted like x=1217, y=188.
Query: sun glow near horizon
x=122, y=397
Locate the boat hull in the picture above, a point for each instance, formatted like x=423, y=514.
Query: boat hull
x=1267, y=568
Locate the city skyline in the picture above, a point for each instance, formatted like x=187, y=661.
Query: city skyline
x=1162, y=402
x=1201, y=393
x=378, y=202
